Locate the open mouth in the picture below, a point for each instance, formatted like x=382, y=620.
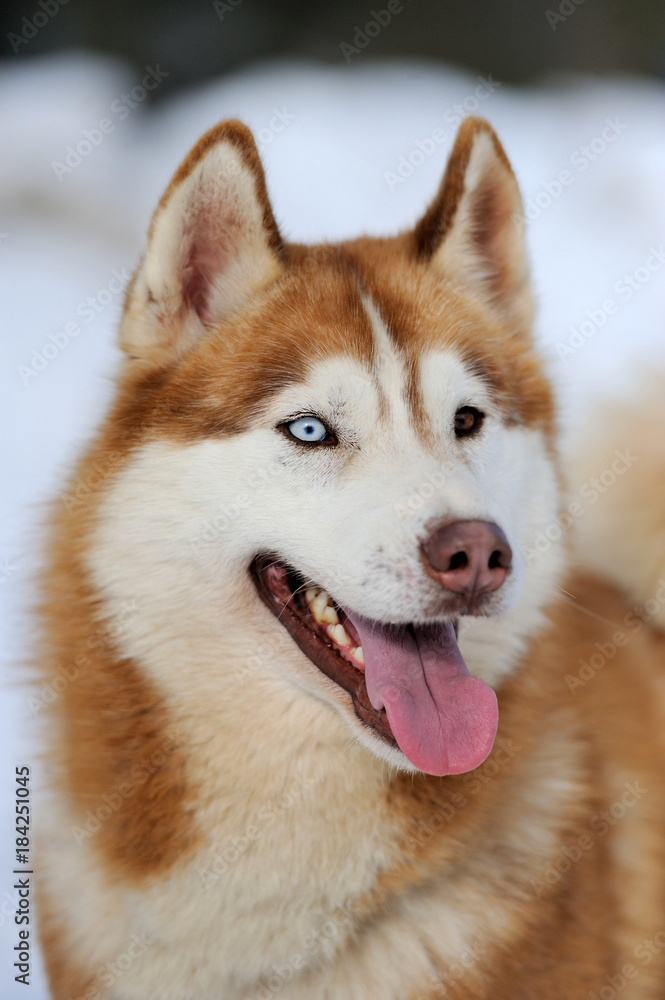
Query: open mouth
x=408, y=682
x=323, y=631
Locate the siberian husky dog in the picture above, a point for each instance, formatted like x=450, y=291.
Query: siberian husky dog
x=336, y=711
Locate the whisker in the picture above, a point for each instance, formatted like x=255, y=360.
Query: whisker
x=574, y=602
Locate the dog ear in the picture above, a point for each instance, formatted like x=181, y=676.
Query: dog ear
x=473, y=230
x=212, y=243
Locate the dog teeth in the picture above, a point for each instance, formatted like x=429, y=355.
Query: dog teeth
x=321, y=606
x=318, y=604
x=322, y=609
x=338, y=635
x=357, y=654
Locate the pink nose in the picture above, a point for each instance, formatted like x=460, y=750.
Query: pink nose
x=469, y=557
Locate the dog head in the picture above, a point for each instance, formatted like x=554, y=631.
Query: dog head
x=347, y=449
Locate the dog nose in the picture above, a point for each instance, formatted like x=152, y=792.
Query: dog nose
x=469, y=556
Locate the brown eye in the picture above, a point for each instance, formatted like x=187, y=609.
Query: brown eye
x=468, y=420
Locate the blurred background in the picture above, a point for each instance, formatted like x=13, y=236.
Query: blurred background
x=354, y=107
x=515, y=39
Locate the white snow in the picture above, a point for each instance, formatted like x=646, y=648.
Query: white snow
x=340, y=135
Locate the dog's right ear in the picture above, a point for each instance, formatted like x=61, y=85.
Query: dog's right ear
x=213, y=242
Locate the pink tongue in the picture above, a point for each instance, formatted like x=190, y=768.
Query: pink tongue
x=443, y=719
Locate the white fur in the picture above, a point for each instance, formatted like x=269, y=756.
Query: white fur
x=349, y=518
x=176, y=534
x=214, y=213
x=289, y=787
x=461, y=260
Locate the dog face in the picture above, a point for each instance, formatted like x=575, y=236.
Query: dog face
x=345, y=448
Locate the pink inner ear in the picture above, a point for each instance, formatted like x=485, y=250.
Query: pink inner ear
x=213, y=239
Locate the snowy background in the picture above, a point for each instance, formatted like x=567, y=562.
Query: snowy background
x=597, y=243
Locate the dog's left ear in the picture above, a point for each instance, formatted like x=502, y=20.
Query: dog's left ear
x=473, y=231
x=212, y=244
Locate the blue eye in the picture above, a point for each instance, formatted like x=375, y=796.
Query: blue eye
x=308, y=429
